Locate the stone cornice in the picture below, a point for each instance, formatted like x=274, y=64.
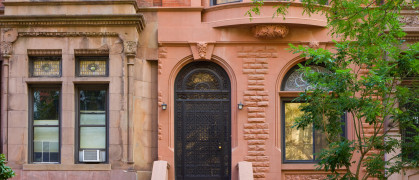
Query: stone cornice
x=67, y=34
x=73, y=20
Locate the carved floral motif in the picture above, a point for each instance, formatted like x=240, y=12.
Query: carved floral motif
x=202, y=49
x=409, y=20
x=270, y=31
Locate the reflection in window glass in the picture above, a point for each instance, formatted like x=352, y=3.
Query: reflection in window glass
x=299, y=145
x=46, y=125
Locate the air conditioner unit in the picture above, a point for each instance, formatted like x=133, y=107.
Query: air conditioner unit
x=92, y=156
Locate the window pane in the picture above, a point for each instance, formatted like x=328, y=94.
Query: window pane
x=46, y=106
x=45, y=122
x=298, y=143
x=92, y=118
x=92, y=100
x=46, y=146
x=93, y=137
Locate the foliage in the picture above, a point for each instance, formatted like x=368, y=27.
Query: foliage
x=372, y=78
x=6, y=171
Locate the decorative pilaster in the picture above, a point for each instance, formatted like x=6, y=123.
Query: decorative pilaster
x=130, y=50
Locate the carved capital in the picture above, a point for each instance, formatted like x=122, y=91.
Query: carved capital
x=270, y=31
x=314, y=44
x=409, y=20
x=6, y=48
x=130, y=48
x=9, y=34
x=201, y=47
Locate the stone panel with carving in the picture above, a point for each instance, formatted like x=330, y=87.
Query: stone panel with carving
x=305, y=176
x=270, y=31
x=410, y=20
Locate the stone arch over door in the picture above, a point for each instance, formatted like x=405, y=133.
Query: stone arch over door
x=202, y=122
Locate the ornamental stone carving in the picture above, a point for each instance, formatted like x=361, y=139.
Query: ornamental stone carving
x=305, y=176
x=6, y=48
x=314, y=44
x=409, y=20
x=270, y=31
x=130, y=48
x=202, y=49
x=9, y=34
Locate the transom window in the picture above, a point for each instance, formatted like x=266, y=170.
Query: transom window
x=92, y=66
x=45, y=66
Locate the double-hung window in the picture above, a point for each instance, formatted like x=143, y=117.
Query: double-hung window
x=45, y=124
x=92, y=123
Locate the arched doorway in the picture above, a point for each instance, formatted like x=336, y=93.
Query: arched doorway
x=202, y=122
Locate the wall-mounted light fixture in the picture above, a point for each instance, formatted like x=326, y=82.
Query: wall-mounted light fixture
x=240, y=105
x=164, y=106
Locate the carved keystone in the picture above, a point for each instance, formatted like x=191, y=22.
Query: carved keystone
x=202, y=50
x=270, y=31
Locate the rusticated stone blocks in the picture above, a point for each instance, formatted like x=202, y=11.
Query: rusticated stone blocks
x=256, y=130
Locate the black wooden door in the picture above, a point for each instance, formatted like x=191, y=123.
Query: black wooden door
x=202, y=123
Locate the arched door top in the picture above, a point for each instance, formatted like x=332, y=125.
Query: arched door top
x=202, y=122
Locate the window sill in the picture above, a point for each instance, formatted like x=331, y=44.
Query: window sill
x=67, y=167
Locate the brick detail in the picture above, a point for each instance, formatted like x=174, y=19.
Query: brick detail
x=256, y=131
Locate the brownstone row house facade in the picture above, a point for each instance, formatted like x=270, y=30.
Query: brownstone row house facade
x=101, y=89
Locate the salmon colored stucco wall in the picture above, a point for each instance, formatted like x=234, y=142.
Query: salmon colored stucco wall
x=255, y=67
